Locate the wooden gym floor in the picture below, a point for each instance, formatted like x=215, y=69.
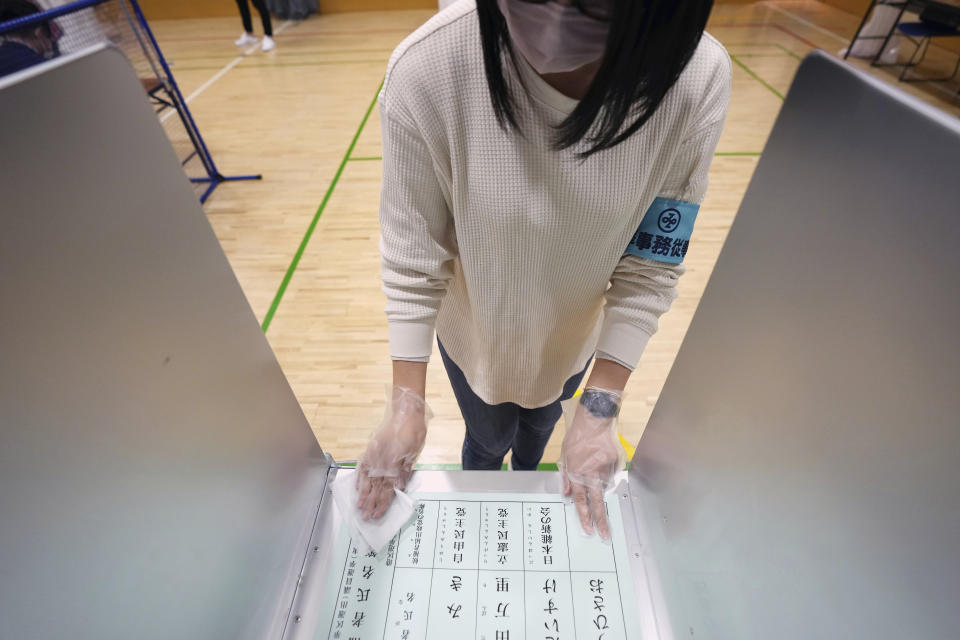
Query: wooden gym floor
x=303, y=241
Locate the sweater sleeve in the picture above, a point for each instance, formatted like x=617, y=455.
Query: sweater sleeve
x=417, y=246
x=642, y=289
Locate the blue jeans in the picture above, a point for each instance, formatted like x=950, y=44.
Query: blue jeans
x=493, y=429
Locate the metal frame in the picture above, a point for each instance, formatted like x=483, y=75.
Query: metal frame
x=886, y=39
x=924, y=43
x=168, y=84
x=922, y=46
x=904, y=7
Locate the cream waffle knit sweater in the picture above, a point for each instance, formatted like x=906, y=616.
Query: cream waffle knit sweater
x=512, y=252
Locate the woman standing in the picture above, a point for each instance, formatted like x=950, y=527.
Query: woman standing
x=544, y=162
x=247, y=37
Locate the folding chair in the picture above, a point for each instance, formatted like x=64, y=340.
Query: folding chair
x=920, y=34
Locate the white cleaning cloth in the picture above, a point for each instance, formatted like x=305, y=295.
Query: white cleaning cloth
x=375, y=534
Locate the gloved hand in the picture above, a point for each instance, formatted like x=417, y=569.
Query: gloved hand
x=590, y=456
x=391, y=452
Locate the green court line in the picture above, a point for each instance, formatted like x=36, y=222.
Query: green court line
x=366, y=158
x=788, y=52
x=755, y=76
x=316, y=217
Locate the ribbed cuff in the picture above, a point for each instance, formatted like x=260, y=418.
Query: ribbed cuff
x=411, y=340
x=623, y=341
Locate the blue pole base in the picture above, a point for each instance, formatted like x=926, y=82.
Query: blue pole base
x=217, y=179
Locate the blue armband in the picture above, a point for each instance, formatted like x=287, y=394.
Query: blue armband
x=664, y=232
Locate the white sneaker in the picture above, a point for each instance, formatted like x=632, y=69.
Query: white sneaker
x=245, y=39
x=268, y=44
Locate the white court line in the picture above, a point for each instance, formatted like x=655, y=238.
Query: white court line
x=222, y=72
x=933, y=85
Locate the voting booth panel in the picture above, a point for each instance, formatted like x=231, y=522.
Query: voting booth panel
x=798, y=477
x=157, y=476
x=800, y=473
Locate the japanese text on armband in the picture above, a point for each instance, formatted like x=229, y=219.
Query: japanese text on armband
x=664, y=232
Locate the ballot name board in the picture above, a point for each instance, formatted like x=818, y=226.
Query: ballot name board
x=484, y=566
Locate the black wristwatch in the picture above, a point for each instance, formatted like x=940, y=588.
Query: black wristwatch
x=600, y=404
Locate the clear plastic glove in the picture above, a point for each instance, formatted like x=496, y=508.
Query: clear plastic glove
x=591, y=455
x=393, y=449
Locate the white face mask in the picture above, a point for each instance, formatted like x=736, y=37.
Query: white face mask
x=552, y=37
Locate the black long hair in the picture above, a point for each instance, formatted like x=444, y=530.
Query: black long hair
x=648, y=45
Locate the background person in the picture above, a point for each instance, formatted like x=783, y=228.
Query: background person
x=247, y=38
x=30, y=45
